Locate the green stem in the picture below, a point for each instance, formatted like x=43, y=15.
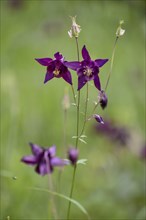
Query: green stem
x=111, y=66
x=71, y=191
x=78, y=116
x=110, y=71
x=77, y=140
x=85, y=116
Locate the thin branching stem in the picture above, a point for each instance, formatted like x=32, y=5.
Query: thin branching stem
x=77, y=140
x=111, y=66
x=85, y=114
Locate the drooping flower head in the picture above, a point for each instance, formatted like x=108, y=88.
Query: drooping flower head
x=55, y=68
x=43, y=159
x=98, y=118
x=73, y=155
x=102, y=99
x=87, y=69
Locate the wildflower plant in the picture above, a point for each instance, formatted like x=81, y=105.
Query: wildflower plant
x=44, y=159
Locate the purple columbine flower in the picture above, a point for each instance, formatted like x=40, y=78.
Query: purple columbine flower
x=43, y=159
x=87, y=69
x=73, y=155
x=55, y=68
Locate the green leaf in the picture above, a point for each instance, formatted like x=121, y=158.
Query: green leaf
x=64, y=197
x=74, y=137
x=82, y=161
x=82, y=141
x=83, y=136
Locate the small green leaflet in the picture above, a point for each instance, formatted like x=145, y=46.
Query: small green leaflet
x=82, y=161
x=82, y=141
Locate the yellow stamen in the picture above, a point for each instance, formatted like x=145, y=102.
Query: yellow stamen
x=87, y=71
x=56, y=72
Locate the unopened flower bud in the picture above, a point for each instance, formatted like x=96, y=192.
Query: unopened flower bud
x=73, y=155
x=75, y=28
x=120, y=32
x=102, y=99
x=98, y=118
x=66, y=101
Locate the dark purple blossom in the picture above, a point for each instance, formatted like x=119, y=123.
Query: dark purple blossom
x=87, y=69
x=102, y=99
x=73, y=155
x=43, y=159
x=98, y=118
x=55, y=68
x=115, y=133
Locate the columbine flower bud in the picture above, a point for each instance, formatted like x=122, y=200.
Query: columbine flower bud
x=102, y=99
x=120, y=32
x=73, y=155
x=98, y=118
x=66, y=101
x=75, y=28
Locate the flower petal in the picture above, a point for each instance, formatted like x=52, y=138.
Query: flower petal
x=58, y=56
x=81, y=81
x=97, y=82
x=52, y=151
x=73, y=155
x=67, y=77
x=72, y=65
x=42, y=168
x=98, y=118
x=85, y=53
x=30, y=160
x=100, y=62
x=36, y=150
x=49, y=76
x=44, y=61
x=57, y=162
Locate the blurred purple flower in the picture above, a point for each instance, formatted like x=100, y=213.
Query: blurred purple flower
x=44, y=159
x=114, y=132
x=143, y=152
x=102, y=99
x=87, y=69
x=55, y=68
x=73, y=155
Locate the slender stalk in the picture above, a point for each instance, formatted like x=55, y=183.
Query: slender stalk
x=78, y=115
x=111, y=66
x=77, y=49
x=85, y=116
x=77, y=139
x=110, y=71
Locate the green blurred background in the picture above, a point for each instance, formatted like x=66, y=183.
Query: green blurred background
x=112, y=184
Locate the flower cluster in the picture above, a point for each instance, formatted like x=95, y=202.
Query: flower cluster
x=87, y=69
